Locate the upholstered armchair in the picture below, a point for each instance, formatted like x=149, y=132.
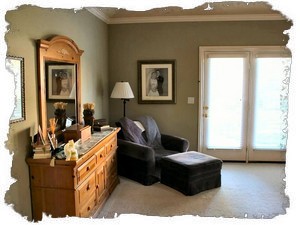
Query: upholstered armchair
x=141, y=147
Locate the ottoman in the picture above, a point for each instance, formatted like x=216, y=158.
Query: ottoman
x=191, y=172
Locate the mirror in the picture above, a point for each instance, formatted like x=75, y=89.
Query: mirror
x=59, y=80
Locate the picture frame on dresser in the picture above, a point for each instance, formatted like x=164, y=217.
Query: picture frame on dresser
x=15, y=65
x=156, y=82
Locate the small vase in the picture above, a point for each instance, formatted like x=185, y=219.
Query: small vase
x=88, y=117
x=60, y=115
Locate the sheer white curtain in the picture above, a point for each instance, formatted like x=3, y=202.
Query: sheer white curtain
x=270, y=130
x=225, y=86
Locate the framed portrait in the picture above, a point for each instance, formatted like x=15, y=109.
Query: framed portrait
x=15, y=65
x=61, y=82
x=156, y=81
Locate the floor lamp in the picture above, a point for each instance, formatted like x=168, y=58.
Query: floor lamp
x=122, y=90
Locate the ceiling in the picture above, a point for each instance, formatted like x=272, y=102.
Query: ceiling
x=215, y=11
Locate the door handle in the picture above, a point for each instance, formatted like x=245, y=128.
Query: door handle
x=205, y=108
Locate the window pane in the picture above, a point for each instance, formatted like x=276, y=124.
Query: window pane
x=225, y=102
x=271, y=103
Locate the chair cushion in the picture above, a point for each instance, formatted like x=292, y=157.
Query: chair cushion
x=160, y=153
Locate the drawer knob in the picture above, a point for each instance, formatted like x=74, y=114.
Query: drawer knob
x=32, y=177
x=88, y=187
x=88, y=208
x=88, y=168
x=101, y=155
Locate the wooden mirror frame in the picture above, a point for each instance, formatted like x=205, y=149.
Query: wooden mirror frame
x=63, y=50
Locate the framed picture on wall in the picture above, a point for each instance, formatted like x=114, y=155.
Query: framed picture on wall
x=61, y=82
x=156, y=82
x=15, y=65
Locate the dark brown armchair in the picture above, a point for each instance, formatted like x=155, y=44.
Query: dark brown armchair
x=141, y=147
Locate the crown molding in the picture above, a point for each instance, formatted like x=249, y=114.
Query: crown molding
x=99, y=14
x=192, y=18
x=198, y=18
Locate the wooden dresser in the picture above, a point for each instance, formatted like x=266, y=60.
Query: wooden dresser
x=75, y=188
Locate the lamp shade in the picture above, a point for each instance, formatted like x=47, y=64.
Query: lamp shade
x=122, y=90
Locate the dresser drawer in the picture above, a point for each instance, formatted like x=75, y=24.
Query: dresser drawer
x=100, y=155
x=111, y=145
x=87, y=189
x=85, y=169
x=86, y=209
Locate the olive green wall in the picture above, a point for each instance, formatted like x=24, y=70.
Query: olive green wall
x=26, y=25
x=180, y=41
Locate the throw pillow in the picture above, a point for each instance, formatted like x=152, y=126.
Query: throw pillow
x=131, y=131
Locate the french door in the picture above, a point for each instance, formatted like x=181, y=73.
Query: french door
x=244, y=102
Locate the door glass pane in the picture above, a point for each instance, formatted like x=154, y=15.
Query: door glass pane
x=224, y=122
x=271, y=103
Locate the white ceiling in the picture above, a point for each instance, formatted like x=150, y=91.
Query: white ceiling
x=215, y=11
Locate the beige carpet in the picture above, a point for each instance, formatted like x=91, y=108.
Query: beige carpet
x=253, y=190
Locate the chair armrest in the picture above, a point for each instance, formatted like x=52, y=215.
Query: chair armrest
x=175, y=143
x=135, y=150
